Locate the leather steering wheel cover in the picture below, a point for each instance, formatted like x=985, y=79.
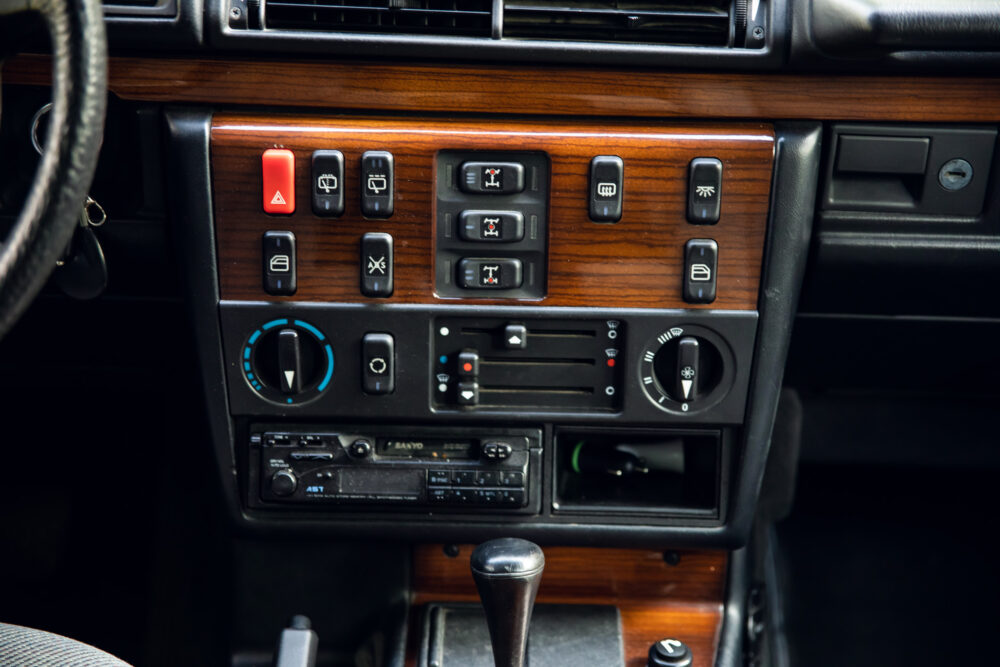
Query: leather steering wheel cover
x=66, y=169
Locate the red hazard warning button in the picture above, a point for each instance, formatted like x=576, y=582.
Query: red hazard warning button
x=279, y=180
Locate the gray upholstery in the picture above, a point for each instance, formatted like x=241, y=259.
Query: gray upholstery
x=24, y=647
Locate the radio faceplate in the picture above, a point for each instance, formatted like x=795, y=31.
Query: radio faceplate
x=395, y=468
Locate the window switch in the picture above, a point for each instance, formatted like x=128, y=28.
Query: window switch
x=279, y=263
x=704, y=191
x=701, y=258
x=607, y=176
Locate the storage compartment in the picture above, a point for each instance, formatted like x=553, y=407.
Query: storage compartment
x=621, y=471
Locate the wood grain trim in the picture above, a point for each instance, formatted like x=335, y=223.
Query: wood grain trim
x=655, y=599
x=634, y=263
x=524, y=89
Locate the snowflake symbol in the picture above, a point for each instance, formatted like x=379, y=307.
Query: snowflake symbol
x=687, y=372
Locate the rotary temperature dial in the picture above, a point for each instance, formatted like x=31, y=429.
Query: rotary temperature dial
x=288, y=361
x=683, y=369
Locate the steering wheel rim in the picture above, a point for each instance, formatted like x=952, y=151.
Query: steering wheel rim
x=51, y=210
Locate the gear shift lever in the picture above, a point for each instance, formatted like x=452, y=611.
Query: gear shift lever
x=507, y=572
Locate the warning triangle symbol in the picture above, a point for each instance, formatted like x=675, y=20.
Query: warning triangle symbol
x=277, y=199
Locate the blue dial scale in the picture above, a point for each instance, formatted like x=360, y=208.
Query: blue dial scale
x=274, y=394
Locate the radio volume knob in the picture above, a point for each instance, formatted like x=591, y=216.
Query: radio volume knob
x=284, y=483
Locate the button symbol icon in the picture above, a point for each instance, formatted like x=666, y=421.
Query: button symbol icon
x=378, y=183
x=687, y=372
x=279, y=264
x=704, y=191
x=514, y=340
x=490, y=275
x=491, y=227
x=377, y=365
x=494, y=177
x=671, y=646
x=327, y=183
x=607, y=189
x=467, y=394
x=376, y=265
x=277, y=198
x=701, y=273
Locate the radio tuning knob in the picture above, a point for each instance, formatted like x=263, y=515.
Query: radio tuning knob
x=359, y=449
x=284, y=483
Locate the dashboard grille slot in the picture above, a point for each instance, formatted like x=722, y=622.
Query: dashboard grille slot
x=677, y=22
x=433, y=17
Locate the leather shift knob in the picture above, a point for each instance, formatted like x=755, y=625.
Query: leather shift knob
x=507, y=573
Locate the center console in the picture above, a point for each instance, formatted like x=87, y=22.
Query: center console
x=460, y=328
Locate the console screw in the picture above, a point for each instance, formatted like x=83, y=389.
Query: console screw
x=758, y=33
x=451, y=550
x=671, y=557
x=235, y=12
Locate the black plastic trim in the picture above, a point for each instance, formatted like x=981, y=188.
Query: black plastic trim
x=183, y=30
x=793, y=198
x=730, y=650
x=189, y=196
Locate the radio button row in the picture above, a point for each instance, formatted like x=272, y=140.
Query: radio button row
x=509, y=497
x=512, y=479
x=439, y=477
x=464, y=478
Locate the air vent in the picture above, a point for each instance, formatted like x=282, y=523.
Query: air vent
x=682, y=22
x=139, y=8
x=429, y=17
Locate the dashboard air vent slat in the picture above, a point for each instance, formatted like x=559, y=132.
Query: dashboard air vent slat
x=680, y=22
x=433, y=17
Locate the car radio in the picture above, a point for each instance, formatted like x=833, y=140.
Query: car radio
x=395, y=467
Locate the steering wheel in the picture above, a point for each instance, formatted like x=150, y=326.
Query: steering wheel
x=51, y=211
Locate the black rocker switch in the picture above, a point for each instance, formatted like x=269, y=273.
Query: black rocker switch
x=491, y=178
x=507, y=572
x=378, y=359
x=607, y=175
x=290, y=361
x=701, y=258
x=490, y=273
x=328, y=183
x=377, y=184
x=687, y=369
x=704, y=191
x=491, y=226
x=279, y=263
x=376, y=265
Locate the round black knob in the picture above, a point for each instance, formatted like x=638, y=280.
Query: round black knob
x=284, y=483
x=359, y=449
x=669, y=653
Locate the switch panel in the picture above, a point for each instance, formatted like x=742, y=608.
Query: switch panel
x=528, y=364
x=500, y=199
